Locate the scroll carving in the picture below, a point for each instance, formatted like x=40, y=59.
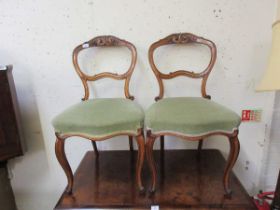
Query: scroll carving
x=104, y=41
x=182, y=38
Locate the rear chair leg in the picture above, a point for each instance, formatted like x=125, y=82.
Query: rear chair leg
x=95, y=148
x=130, y=143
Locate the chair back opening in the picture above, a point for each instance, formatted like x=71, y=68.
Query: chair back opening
x=105, y=41
x=183, y=38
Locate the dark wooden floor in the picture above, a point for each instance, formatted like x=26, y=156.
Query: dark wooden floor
x=184, y=182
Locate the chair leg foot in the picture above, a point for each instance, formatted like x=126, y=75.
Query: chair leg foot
x=233, y=155
x=152, y=190
x=61, y=157
x=140, y=160
x=228, y=194
x=150, y=159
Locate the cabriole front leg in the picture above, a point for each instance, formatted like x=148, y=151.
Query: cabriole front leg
x=61, y=157
x=140, y=160
x=150, y=159
x=233, y=155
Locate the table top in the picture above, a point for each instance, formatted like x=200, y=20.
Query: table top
x=184, y=182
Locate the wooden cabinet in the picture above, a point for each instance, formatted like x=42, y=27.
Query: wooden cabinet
x=10, y=132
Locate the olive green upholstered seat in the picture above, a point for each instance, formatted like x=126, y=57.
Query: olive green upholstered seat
x=100, y=117
x=192, y=116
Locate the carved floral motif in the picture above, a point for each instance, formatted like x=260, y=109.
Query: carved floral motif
x=105, y=41
x=182, y=38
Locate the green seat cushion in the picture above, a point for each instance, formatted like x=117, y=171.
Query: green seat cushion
x=100, y=117
x=193, y=116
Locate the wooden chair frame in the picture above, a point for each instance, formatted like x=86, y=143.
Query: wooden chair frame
x=186, y=38
x=102, y=41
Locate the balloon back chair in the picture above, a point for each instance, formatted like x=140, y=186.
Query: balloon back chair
x=101, y=118
x=189, y=118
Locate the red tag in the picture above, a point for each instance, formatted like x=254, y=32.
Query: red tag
x=246, y=115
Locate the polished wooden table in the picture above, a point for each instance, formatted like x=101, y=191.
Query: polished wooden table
x=185, y=182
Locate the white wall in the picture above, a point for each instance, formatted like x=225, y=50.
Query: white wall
x=38, y=38
x=272, y=158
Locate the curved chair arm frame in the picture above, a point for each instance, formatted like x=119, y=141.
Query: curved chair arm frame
x=105, y=41
x=182, y=38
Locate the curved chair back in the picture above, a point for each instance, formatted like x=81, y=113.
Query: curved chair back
x=182, y=38
x=105, y=41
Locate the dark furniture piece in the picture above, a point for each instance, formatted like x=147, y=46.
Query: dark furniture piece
x=101, y=118
x=185, y=182
x=276, y=201
x=189, y=118
x=10, y=133
x=7, y=199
